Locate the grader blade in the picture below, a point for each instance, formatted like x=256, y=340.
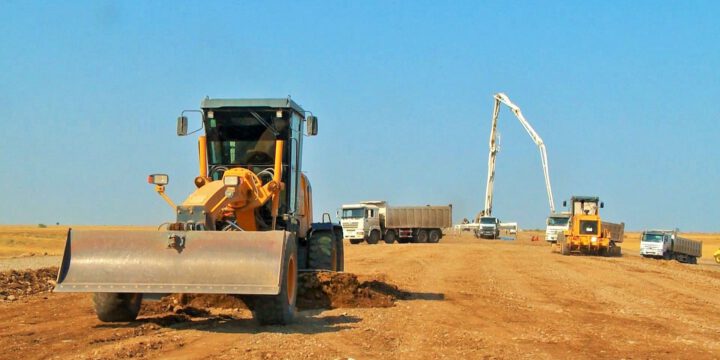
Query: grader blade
x=225, y=262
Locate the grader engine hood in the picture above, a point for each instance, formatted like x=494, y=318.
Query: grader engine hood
x=226, y=262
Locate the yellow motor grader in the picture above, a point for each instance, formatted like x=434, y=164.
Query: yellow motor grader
x=247, y=228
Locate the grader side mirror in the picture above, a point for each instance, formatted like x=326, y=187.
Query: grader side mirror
x=564, y=203
x=312, y=125
x=602, y=205
x=182, y=125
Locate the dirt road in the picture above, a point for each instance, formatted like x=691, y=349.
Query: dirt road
x=467, y=299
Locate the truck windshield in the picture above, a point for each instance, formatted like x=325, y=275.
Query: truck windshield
x=652, y=238
x=557, y=221
x=353, y=213
x=490, y=221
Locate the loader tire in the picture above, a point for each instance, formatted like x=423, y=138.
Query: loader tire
x=564, y=249
x=356, y=241
x=374, y=237
x=278, y=309
x=434, y=236
x=322, y=251
x=116, y=307
x=421, y=237
x=389, y=237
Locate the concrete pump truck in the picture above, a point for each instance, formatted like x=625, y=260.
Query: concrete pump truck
x=247, y=228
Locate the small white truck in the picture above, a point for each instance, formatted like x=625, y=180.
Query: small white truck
x=668, y=245
x=556, y=224
x=372, y=221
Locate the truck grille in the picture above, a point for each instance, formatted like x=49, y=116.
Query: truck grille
x=350, y=226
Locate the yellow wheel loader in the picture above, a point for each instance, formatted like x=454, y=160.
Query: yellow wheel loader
x=587, y=233
x=247, y=228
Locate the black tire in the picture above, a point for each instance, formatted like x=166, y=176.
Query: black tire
x=390, y=237
x=340, y=248
x=434, y=236
x=374, y=237
x=564, y=249
x=278, y=309
x=322, y=251
x=113, y=307
x=421, y=236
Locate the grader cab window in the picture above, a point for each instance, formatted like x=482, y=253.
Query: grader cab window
x=239, y=138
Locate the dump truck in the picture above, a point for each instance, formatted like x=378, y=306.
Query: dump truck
x=246, y=229
x=587, y=233
x=372, y=221
x=556, y=224
x=668, y=245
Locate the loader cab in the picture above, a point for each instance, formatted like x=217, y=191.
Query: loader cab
x=242, y=133
x=584, y=205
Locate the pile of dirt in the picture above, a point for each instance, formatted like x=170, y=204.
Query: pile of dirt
x=316, y=290
x=329, y=290
x=193, y=305
x=16, y=284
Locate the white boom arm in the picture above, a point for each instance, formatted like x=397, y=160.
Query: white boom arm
x=494, y=149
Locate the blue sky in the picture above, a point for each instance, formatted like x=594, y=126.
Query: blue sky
x=625, y=95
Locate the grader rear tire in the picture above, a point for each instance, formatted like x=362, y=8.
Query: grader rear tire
x=322, y=251
x=278, y=309
x=116, y=307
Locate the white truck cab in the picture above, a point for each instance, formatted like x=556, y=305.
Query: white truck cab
x=556, y=224
x=359, y=220
x=488, y=228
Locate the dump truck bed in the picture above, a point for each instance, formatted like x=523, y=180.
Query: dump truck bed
x=687, y=246
x=428, y=217
x=616, y=231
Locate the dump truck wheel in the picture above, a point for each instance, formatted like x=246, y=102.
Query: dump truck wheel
x=434, y=236
x=112, y=307
x=356, y=241
x=322, y=251
x=421, y=236
x=374, y=237
x=390, y=237
x=278, y=309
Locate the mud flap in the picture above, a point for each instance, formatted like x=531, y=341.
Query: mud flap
x=225, y=262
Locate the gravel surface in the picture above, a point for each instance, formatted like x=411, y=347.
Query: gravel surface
x=30, y=262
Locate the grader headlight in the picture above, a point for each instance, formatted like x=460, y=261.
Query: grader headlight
x=231, y=180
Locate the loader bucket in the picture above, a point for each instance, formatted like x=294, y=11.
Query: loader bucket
x=225, y=262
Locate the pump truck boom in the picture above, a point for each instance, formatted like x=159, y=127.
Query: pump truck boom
x=246, y=230
x=501, y=98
